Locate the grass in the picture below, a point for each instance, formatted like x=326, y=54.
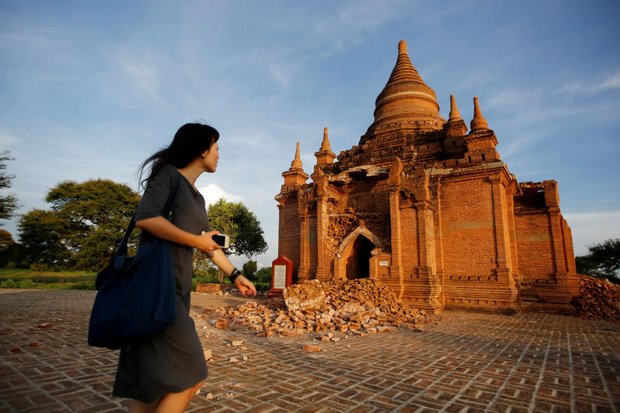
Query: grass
x=49, y=280
x=78, y=280
x=212, y=279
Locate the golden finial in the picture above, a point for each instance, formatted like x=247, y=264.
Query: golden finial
x=402, y=47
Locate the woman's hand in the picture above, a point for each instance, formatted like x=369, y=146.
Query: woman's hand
x=245, y=286
x=205, y=242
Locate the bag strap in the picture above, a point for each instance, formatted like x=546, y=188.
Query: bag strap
x=170, y=203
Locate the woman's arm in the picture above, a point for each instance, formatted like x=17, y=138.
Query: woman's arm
x=164, y=229
x=220, y=259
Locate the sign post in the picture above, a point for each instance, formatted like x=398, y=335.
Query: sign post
x=281, y=275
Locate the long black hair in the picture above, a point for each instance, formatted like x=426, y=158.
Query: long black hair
x=190, y=141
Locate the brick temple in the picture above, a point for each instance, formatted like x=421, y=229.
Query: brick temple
x=428, y=207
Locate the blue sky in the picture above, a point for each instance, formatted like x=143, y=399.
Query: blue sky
x=89, y=89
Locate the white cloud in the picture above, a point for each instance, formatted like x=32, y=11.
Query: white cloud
x=611, y=81
x=6, y=140
x=137, y=78
x=212, y=193
x=590, y=228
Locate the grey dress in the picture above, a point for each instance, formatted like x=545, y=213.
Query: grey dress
x=173, y=360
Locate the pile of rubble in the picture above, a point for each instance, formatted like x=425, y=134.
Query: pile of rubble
x=355, y=307
x=599, y=298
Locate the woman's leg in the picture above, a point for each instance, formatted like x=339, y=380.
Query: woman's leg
x=136, y=406
x=177, y=402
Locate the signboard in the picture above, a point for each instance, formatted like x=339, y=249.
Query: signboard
x=384, y=263
x=281, y=275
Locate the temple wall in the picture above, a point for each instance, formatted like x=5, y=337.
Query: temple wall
x=312, y=244
x=410, y=246
x=545, y=248
x=476, y=244
x=536, y=260
x=289, y=231
x=467, y=237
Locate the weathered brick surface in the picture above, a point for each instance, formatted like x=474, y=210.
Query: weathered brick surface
x=470, y=362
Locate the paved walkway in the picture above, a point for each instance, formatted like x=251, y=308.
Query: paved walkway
x=469, y=362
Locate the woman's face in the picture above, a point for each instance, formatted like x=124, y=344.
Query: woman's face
x=210, y=158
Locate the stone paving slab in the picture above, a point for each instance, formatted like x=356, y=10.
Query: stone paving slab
x=469, y=362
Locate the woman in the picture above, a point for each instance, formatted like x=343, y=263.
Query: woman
x=163, y=372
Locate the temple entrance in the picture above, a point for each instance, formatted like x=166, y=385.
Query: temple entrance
x=358, y=263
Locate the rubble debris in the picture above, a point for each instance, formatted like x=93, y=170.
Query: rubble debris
x=236, y=342
x=356, y=307
x=307, y=296
x=221, y=323
x=312, y=348
x=599, y=298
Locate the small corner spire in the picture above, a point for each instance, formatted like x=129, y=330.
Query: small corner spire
x=478, y=122
x=325, y=146
x=324, y=156
x=454, y=111
x=295, y=177
x=296, y=164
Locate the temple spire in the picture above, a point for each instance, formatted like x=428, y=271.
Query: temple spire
x=325, y=146
x=405, y=100
x=324, y=156
x=454, y=111
x=296, y=164
x=455, y=126
x=478, y=122
x=402, y=47
x=295, y=176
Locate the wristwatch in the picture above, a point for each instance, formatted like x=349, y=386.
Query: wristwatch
x=233, y=275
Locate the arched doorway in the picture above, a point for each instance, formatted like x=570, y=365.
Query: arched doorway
x=358, y=262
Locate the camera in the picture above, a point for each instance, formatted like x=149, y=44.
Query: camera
x=222, y=240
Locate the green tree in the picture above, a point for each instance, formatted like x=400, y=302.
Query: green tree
x=41, y=235
x=263, y=275
x=82, y=229
x=6, y=240
x=96, y=213
x=240, y=224
x=202, y=265
x=249, y=269
x=8, y=203
x=602, y=260
x=7, y=248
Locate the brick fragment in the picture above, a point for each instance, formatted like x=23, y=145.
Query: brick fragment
x=312, y=348
x=221, y=323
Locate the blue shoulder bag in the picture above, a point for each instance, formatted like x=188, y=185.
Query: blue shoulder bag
x=136, y=295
